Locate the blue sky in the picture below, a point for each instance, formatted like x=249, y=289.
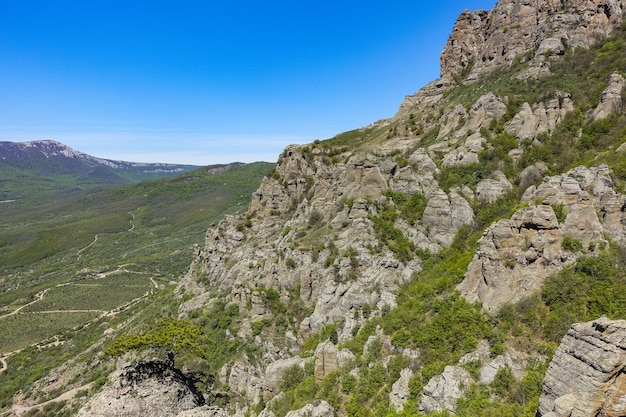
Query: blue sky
x=205, y=82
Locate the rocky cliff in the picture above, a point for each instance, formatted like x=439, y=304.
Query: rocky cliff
x=341, y=228
x=484, y=41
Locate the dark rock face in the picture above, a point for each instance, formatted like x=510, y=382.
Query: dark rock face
x=587, y=376
x=146, y=388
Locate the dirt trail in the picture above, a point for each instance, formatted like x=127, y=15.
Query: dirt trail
x=3, y=362
x=132, y=223
x=80, y=251
x=95, y=238
x=19, y=409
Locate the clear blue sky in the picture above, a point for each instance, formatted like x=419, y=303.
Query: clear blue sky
x=204, y=82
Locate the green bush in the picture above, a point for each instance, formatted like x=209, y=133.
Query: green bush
x=572, y=244
x=169, y=334
x=329, y=331
x=593, y=287
x=315, y=218
x=292, y=376
x=559, y=211
x=391, y=236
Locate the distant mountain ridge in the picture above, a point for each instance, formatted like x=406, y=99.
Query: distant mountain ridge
x=15, y=153
x=47, y=167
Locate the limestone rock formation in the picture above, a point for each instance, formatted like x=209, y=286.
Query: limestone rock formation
x=304, y=220
x=400, y=391
x=515, y=255
x=274, y=374
x=244, y=378
x=611, y=99
x=444, y=214
x=206, y=411
x=541, y=117
x=483, y=41
x=587, y=376
x=328, y=358
x=317, y=409
x=466, y=153
x=490, y=189
x=443, y=391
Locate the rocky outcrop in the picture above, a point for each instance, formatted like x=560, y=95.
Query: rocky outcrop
x=443, y=391
x=567, y=216
x=459, y=135
x=150, y=388
x=466, y=153
x=328, y=359
x=244, y=378
x=483, y=41
x=400, y=390
x=490, y=189
x=611, y=99
x=445, y=214
x=587, y=375
x=207, y=411
x=530, y=121
x=274, y=374
x=303, y=220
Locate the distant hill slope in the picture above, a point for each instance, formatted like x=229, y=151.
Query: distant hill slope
x=135, y=233
x=182, y=204
x=37, y=168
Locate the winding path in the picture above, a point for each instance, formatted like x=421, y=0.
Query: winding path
x=19, y=409
x=95, y=238
x=39, y=296
x=80, y=251
x=132, y=223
